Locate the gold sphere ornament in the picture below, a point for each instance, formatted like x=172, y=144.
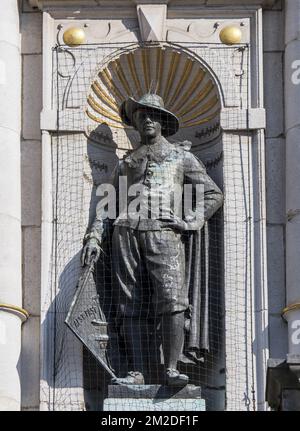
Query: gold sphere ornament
x=230, y=35
x=74, y=36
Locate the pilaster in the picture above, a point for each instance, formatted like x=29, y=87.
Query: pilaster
x=11, y=312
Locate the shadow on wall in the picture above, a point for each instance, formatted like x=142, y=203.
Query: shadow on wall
x=62, y=352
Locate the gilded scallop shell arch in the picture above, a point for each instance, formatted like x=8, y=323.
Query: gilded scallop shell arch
x=186, y=87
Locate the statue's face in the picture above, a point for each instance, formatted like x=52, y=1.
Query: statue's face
x=147, y=123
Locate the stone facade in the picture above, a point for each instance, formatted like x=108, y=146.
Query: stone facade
x=34, y=217
x=31, y=188
x=273, y=37
x=10, y=223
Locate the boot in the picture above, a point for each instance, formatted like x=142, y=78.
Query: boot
x=133, y=333
x=172, y=343
x=132, y=378
x=174, y=378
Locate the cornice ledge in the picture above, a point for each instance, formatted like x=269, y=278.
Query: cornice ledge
x=61, y=4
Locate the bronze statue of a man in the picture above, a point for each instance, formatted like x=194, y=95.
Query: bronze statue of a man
x=149, y=253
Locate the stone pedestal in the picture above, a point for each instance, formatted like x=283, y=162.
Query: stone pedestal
x=283, y=383
x=153, y=398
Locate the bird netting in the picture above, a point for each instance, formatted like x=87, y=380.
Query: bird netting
x=161, y=289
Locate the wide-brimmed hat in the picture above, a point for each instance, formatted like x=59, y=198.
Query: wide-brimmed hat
x=153, y=102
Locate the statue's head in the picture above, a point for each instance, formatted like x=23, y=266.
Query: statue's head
x=149, y=116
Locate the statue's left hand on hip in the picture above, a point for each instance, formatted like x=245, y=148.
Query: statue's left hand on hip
x=175, y=223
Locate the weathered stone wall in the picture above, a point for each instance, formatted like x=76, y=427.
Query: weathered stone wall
x=31, y=49
x=11, y=313
x=273, y=35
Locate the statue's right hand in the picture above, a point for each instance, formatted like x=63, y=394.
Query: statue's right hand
x=91, y=251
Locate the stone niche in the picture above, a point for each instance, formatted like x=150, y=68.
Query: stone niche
x=175, y=51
